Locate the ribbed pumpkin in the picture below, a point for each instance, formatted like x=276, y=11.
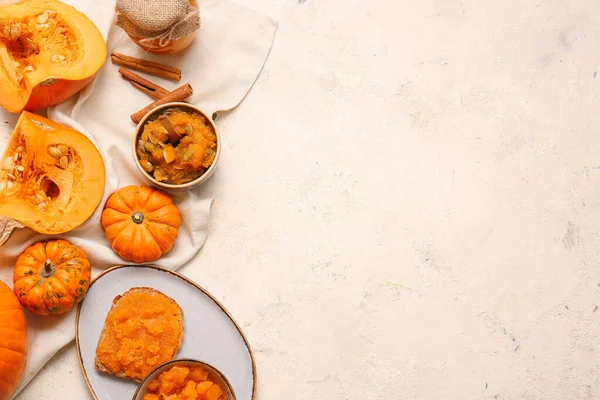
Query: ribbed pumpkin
x=13, y=342
x=51, y=277
x=141, y=223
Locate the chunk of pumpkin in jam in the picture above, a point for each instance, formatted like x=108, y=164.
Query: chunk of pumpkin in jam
x=184, y=383
x=198, y=374
x=189, y=391
x=202, y=388
x=214, y=393
x=153, y=385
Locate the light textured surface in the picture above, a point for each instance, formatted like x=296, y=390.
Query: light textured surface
x=103, y=112
x=408, y=205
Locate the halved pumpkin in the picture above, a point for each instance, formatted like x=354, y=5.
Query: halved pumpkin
x=48, y=52
x=51, y=178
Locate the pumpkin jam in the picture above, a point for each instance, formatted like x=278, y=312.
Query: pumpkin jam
x=143, y=329
x=177, y=147
x=183, y=383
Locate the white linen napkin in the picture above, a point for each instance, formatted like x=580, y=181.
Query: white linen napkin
x=221, y=65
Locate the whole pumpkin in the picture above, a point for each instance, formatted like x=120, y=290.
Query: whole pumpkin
x=51, y=277
x=13, y=342
x=141, y=223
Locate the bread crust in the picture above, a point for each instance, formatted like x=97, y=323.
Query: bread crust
x=100, y=367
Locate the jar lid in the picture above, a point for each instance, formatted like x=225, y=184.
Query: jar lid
x=153, y=15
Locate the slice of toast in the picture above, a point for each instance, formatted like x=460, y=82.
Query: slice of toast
x=141, y=299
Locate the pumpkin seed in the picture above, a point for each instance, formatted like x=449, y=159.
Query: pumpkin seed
x=42, y=205
x=31, y=44
x=2, y=185
x=40, y=196
x=51, y=13
x=28, y=68
x=188, y=129
x=168, y=156
x=189, y=153
x=20, y=168
x=58, y=58
x=43, y=27
x=149, y=147
x=64, y=162
x=42, y=18
x=140, y=143
x=15, y=31
x=16, y=157
x=20, y=80
x=147, y=165
x=55, y=151
x=11, y=176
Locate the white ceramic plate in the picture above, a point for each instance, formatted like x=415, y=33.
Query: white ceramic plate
x=210, y=333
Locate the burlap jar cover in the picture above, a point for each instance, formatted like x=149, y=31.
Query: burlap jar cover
x=158, y=21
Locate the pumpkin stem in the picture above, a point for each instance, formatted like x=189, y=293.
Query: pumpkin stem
x=7, y=227
x=48, y=270
x=137, y=217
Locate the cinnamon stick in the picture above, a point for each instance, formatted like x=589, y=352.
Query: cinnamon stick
x=149, y=67
x=150, y=88
x=179, y=94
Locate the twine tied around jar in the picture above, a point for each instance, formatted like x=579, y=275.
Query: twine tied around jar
x=157, y=21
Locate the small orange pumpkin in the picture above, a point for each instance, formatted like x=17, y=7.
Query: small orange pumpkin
x=51, y=277
x=141, y=223
x=13, y=342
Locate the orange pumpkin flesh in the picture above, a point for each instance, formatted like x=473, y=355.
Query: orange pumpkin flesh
x=48, y=52
x=140, y=223
x=13, y=342
x=51, y=277
x=51, y=178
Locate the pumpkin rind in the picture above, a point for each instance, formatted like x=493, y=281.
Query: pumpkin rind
x=141, y=223
x=48, y=52
x=13, y=342
x=37, y=189
x=51, y=277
